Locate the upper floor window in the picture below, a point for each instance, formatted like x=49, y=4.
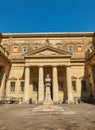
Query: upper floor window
x=15, y=49
x=79, y=48
x=70, y=49
x=59, y=47
x=24, y=49
x=12, y=86
x=74, y=85
x=35, y=48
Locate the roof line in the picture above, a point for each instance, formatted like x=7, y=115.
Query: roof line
x=46, y=34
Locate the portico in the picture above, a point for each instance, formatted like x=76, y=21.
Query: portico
x=37, y=66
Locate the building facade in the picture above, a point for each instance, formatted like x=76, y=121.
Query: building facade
x=90, y=67
x=34, y=55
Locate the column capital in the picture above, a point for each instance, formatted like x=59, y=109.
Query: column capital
x=41, y=66
x=68, y=66
x=55, y=66
x=27, y=67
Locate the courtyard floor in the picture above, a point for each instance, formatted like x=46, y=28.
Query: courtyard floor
x=21, y=117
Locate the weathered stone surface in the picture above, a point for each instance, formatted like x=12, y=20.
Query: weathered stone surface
x=18, y=117
x=51, y=52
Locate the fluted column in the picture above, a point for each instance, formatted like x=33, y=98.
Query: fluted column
x=55, y=85
x=3, y=85
x=41, y=85
x=27, y=79
x=69, y=85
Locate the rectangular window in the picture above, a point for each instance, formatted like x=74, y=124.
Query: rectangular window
x=60, y=86
x=83, y=85
x=12, y=85
x=35, y=48
x=15, y=49
x=35, y=86
x=59, y=47
x=24, y=49
x=79, y=48
x=74, y=85
x=70, y=49
x=22, y=86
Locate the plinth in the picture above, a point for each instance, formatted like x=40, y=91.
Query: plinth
x=48, y=99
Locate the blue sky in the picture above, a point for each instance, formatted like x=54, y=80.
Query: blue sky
x=47, y=16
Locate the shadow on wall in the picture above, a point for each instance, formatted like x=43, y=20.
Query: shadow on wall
x=86, y=83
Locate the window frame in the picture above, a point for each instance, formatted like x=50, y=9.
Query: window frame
x=15, y=51
x=24, y=47
x=36, y=48
x=69, y=48
x=12, y=90
x=81, y=48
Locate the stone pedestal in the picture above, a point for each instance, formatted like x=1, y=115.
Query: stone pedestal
x=48, y=99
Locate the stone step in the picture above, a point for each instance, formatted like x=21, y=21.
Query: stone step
x=53, y=112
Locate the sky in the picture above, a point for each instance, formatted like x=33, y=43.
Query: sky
x=24, y=16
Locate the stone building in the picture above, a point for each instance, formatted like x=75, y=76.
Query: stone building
x=34, y=55
x=5, y=65
x=90, y=68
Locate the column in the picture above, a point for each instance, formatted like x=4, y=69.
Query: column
x=40, y=85
x=55, y=85
x=27, y=79
x=69, y=85
x=3, y=86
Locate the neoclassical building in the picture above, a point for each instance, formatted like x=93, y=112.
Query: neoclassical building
x=26, y=59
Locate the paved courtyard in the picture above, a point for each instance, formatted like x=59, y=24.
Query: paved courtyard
x=22, y=117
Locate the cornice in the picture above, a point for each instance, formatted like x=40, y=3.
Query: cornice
x=48, y=34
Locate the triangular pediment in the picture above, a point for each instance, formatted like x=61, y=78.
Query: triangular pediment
x=47, y=51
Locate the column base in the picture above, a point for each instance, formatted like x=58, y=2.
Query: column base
x=70, y=101
x=1, y=98
x=25, y=102
x=39, y=102
x=55, y=101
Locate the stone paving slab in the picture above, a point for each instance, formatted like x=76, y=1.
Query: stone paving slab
x=20, y=117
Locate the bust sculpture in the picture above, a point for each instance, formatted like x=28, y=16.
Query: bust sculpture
x=47, y=79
